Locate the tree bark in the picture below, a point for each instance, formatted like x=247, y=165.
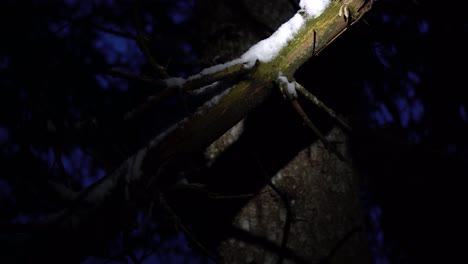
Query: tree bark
x=325, y=222
x=321, y=191
x=326, y=225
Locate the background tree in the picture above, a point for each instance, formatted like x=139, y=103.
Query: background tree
x=66, y=124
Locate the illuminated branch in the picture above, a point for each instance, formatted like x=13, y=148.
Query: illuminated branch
x=308, y=36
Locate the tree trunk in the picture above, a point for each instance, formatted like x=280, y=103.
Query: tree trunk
x=270, y=180
x=271, y=144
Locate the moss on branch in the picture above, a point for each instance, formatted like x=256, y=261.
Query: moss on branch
x=211, y=121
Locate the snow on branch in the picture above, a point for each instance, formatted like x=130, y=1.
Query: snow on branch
x=222, y=112
x=266, y=50
x=314, y=7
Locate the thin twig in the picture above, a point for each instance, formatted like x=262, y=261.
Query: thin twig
x=287, y=206
x=112, y=31
x=184, y=229
x=316, y=131
x=133, y=257
x=202, y=189
x=339, y=244
x=141, y=40
x=86, y=20
x=232, y=74
x=130, y=76
x=320, y=104
x=217, y=196
x=315, y=41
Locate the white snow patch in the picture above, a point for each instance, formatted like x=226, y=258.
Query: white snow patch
x=267, y=49
x=237, y=130
x=245, y=224
x=174, y=82
x=289, y=85
x=155, y=141
x=277, y=178
x=218, y=68
x=314, y=7
x=205, y=88
x=264, y=51
x=214, y=100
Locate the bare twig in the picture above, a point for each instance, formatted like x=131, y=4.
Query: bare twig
x=112, y=31
x=129, y=76
x=315, y=41
x=133, y=257
x=339, y=244
x=316, y=131
x=184, y=229
x=201, y=188
x=287, y=206
x=142, y=43
x=218, y=196
x=320, y=104
x=87, y=21
x=231, y=74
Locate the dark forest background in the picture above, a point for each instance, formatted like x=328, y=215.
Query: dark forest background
x=403, y=74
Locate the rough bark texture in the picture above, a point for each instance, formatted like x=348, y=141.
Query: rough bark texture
x=326, y=213
x=242, y=228
x=326, y=222
x=274, y=142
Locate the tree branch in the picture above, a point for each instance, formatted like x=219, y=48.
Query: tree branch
x=213, y=118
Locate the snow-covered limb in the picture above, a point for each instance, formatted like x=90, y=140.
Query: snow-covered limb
x=265, y=50
x=287, y=88
x=233, y=73
x=217, y=116
x=212, y=120
x=268, y=50
x=206, y=88
x=314, y=7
